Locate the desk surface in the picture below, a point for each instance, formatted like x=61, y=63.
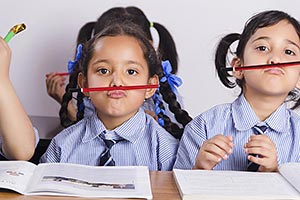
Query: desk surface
x=162, y=183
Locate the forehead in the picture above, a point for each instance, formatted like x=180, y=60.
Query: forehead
x=118, y=49
x=120, y=41
x=283, y=29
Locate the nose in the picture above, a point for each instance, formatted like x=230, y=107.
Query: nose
x=274, y=59
x=116, y=79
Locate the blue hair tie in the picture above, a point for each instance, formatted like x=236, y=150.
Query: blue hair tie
x=71, y=64
x=80, y=109
x=173, y=80
x=157, y=99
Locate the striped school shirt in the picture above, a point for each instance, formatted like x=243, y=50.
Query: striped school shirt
x=237, y=119
x=145, y=144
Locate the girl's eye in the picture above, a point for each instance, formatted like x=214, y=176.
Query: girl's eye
x=289, y=52
x=103, y=71
x=131, y=72
x=262, y=48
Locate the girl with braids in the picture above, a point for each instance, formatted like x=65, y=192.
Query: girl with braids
x=166, y=48
x=226, y=137
x=18, y=138
x=121, y=55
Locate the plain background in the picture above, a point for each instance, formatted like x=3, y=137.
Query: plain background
x=52, y=26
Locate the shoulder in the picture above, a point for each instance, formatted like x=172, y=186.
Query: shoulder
x=214, y=114
x=72, y=132
x=157, y=132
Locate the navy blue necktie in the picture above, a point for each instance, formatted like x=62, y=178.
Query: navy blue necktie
x=109, y=139
x=258, y=130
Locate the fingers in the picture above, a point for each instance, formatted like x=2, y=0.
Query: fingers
x=5, y=57
x=213, y=151
x=264, y=147
x=55, y=86
x=152, y=114
x=219, y=147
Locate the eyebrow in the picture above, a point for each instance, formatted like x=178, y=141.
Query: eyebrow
x=127, y=62
x=268, y=38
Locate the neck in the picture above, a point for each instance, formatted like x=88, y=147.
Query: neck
x=112, y=122
x=264, y=105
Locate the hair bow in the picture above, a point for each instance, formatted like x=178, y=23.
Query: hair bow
x=173, y=80
x=71, y=64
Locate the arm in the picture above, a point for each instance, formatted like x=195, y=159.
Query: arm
x=18, y=137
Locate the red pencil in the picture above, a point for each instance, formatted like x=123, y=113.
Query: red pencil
x=60, y=74
x=97, y=89
x=287, y=64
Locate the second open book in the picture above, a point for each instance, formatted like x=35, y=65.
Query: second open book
x=211, y=184
x=75, y=180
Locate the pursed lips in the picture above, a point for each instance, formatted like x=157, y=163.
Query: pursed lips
x=116, y=94
x=275, y=70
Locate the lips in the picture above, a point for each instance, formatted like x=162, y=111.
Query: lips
x=116, y=94
x=275, y=70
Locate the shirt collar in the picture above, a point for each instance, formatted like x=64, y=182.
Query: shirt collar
x=245, y=118
x=130, y=130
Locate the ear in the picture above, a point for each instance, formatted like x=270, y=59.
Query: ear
x=236, y=62
x=298, y=84
x=150, y=91
x=82, y=82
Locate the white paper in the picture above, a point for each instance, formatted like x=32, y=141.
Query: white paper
x=234, y=184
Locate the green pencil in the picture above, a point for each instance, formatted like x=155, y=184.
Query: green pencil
x=13, y=31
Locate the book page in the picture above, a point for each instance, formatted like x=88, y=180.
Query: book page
x=15, y=175
x=91, y=181
x=291, y=171
x=233, y=185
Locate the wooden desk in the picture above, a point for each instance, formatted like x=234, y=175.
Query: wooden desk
x=162, y=183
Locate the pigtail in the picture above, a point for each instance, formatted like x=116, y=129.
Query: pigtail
x=65, y=121
x=80, y=106
x=166, y=46
x=168, y=91
x=221, y=59
x=73, y=69
x=85, y=32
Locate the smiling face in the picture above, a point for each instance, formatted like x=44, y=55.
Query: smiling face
x=117, y=61
x=278, y=43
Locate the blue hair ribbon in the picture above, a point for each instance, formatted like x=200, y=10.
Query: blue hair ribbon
x=71, y=64
x=173, y=80
x=157, y=99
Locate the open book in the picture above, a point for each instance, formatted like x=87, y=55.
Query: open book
x=75, y=180
x=210, y=184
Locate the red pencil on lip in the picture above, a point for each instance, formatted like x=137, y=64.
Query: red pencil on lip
x=97, y=89
x=251, y=67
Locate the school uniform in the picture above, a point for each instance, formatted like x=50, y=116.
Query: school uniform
x=238, y=119
x=145, y=143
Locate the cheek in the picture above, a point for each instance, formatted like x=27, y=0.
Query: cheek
x=97, y=81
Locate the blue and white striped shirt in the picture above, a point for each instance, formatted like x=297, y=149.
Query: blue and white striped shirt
x=145, y=144
x=237, y=119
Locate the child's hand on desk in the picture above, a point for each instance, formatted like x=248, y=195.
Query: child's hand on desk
x=5, y=56
x=213, y=151
x=263, y=146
